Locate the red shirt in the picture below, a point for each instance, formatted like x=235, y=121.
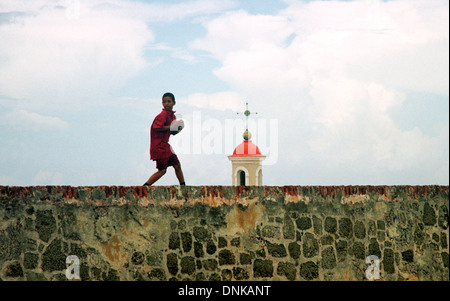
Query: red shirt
x=159, y=141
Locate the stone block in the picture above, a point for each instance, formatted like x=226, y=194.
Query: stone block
x=240, y=273
x=186, y=241
x=172, y=263
x=53, y=258
x=388, y=261
x=174, y=241
x=330, y=224
x=201, y=233
x=294, y=250
x=360, y=230
x=345, y=227
x=303, y=223
x=328, y=258
x=288, y=228
x=408, y=255
x=276, y=250
x=262, y=268
x=45, y=224
x=429, y=215
x=187, y=265
x=310, y=245
x=226, y=257
x=288, y=270
x=309, y=270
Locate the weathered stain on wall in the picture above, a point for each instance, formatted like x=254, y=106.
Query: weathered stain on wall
x=224, y=233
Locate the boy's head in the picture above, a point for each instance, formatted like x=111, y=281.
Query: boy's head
x=168, y=101
x=168, y=94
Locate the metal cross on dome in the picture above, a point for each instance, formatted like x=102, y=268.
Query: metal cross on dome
x=247, y=113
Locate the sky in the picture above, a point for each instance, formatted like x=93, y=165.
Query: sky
x=341, y=92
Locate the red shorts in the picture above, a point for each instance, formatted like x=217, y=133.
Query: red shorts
x=166, y=162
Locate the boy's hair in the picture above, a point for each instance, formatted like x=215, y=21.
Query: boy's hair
x=170, y=95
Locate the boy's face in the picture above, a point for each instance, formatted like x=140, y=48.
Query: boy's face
x=168, y=103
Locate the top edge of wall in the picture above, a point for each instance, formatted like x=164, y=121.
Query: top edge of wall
x=216, y=195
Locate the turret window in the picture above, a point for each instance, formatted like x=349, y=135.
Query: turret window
x=242, y=178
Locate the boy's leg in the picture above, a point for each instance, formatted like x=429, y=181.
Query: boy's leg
x=179, y=173
x=173, y=161
x=161, y=165
x=155, y=177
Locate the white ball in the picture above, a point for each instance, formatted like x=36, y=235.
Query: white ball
x=176, y=125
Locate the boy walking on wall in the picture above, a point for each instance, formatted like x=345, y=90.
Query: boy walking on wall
x=160, y=149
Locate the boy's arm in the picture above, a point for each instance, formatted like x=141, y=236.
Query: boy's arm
x=159, y=126
x=164, y=128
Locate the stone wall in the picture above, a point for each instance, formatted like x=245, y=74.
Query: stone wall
x=224, y=233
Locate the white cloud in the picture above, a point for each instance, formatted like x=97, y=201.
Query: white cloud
x=162, y=12
x=176, y=52
x=253, y=52
x=69, y=54
x=347, y=64
x=339, y=100
x=49, y=59
x=45, y=177
x=239, y=30
x=402, y=44
x=153, y=11
x=217, y=101
x=24, y=120
x=11, y=181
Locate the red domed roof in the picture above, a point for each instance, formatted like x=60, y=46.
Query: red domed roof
x=246, y=148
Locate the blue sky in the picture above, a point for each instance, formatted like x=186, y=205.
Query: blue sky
x=347, y=92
